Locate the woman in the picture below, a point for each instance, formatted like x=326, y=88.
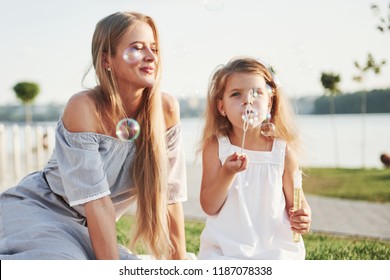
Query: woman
x=69, y=210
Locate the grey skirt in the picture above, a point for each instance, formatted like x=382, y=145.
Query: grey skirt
x=35, y=223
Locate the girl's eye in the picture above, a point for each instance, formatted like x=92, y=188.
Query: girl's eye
x=257, y=92
x=235, y=94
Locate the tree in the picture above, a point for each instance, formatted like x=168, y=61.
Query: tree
x=330, y=83
x=26, y=92
x=384, y=23
x=370, y=66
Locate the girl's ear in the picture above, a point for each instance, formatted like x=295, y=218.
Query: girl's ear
x=220, y=107
x=270, y=103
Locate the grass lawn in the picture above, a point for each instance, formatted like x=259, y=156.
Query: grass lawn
x=358, y=184
x=318, y=246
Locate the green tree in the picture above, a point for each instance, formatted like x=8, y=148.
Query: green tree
x=363, y=70
x=384, y=22
x=370, y=66
x=330, y=82
x=26, y=92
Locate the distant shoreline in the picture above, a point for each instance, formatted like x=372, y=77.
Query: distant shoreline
x=378, y=101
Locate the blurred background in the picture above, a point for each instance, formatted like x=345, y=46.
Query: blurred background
x=331, y=57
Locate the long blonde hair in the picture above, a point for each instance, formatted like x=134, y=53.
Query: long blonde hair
x=149, y=168
x=217, y=125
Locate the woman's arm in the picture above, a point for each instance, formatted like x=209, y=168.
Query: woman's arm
x=171, y=110
x=80, y=115
x=100, y=215
x=176, y=231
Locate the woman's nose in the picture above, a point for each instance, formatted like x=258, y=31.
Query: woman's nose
x=150, y=55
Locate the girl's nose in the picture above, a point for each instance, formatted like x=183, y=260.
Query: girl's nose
x=248, y=99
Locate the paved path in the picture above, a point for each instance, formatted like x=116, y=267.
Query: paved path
x=329, y=215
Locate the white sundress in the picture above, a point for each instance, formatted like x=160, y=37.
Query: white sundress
x=253, y=222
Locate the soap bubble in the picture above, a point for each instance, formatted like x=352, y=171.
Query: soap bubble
x=179, y=50
x=214, y=5
x=267, y=127
x=305, y=67
x=127, y=129
x=131, y=55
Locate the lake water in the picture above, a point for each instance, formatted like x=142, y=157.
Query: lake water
x=329, y=141
x=351, y=141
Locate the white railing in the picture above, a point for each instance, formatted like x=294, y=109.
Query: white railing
x=23, y=149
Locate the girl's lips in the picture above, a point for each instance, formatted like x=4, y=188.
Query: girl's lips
x=248, y=112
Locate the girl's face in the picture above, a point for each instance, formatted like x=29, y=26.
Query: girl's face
x=237, y=94
x=135, y=60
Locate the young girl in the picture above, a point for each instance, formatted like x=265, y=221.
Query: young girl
x=249, y=161
x=69, y=209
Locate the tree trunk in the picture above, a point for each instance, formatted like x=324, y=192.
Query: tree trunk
x=364, y=112
x=28, y=113
x=332, y=109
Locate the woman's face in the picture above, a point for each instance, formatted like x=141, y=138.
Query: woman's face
x=239, y=93
x=135, y=60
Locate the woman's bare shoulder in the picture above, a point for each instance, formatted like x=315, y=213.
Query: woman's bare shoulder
x=80, y=113
x=171, y=110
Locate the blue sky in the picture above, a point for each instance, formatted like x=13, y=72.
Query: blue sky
x=48, y=41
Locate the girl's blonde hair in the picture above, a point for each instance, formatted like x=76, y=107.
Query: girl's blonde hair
x=149, y=169
x=217, y=125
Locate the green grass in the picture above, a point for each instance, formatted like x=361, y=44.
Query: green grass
x=318, y=246
x=358, y=184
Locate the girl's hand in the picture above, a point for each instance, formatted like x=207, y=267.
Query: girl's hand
x=236, y=163
x=300, y=220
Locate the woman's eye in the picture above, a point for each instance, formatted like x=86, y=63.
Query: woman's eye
x=137, y=47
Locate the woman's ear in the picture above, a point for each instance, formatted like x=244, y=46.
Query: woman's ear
x=105, y=61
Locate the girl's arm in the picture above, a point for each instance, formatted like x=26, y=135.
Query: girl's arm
x=300, y=219
x=100, y=215
x=176, y=231
x=217, y=178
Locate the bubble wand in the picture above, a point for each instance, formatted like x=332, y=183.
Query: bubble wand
x=297, y=198
x=245, y=126
x=249, y=117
